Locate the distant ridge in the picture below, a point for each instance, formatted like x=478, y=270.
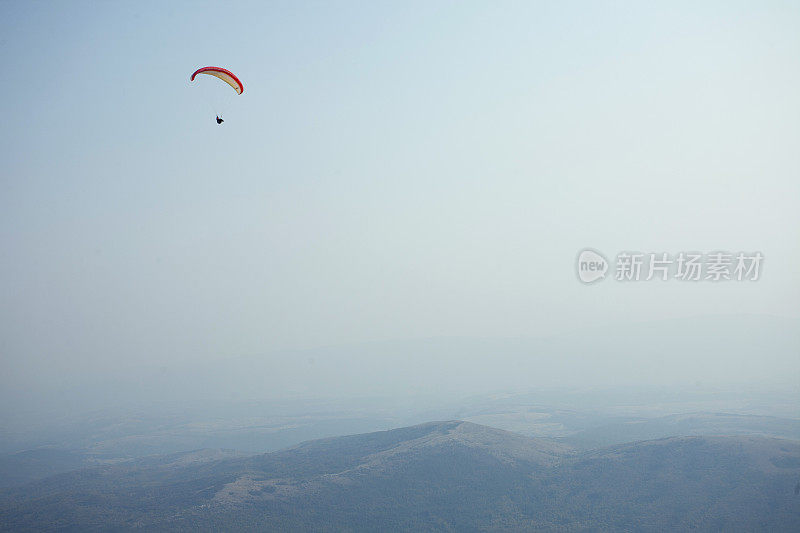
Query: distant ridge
x=439, y=476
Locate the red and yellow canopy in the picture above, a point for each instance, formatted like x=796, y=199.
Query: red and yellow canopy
x=224, y=74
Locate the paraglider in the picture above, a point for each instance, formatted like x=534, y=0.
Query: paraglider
x=225, y=75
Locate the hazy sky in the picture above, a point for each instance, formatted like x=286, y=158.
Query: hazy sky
x=391, y=171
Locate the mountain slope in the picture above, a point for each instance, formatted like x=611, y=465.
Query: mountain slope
x=442, y=476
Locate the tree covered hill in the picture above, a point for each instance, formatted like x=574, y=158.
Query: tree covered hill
x=444, y=476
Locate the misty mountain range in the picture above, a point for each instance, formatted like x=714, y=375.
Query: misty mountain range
x=443, y=476
x=696, y=454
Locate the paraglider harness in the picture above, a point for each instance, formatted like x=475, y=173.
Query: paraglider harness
x=219, y=120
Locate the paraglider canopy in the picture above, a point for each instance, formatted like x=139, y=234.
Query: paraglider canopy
x=224, y=74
